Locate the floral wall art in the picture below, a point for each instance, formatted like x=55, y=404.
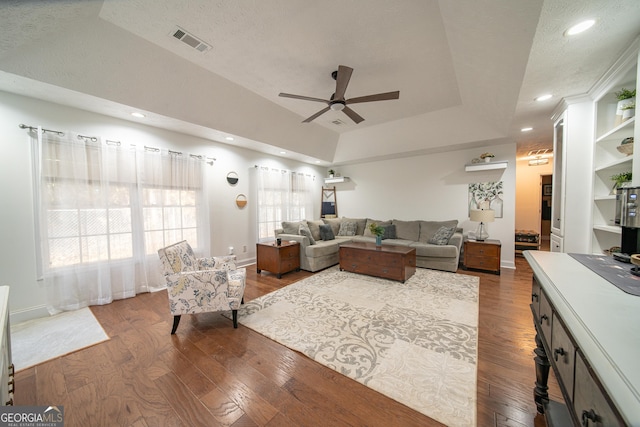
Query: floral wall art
x=486, y=195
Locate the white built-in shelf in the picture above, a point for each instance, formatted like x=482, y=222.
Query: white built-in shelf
x=475, y=167
x=608, y=228
x=626, y=124
x=336, y=180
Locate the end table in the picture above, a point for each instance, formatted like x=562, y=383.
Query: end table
x=482, y=255
x=278, y=259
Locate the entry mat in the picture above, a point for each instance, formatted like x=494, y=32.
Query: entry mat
x=616, y=272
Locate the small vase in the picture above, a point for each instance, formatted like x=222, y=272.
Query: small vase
x=378, y=240
x=487, y=159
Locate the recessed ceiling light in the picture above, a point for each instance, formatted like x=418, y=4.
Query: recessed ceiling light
x=229, y=138
x=544, y=97
x=525, y=129
x=139, y=115
x=578, y=28
x=283, y=152
x=317, y=161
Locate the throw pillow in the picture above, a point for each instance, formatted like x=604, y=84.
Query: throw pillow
x=326, y=232
x=442, y=236
x=348, y=228
x=314, y=227
x=389, y=231
x=304, y=231
x=291, y=227
x=334, y=223
x=429, y=228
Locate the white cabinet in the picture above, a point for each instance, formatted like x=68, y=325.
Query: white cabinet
x=573, y=160
x=6, y=365
x=556, y=243
x=608, y=161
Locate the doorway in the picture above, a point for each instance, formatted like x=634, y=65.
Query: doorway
x=546, y=192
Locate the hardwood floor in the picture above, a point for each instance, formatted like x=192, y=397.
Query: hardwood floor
x=210, y=374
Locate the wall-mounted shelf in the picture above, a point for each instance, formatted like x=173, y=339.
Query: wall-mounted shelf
x=336, y=180
x=474, y=167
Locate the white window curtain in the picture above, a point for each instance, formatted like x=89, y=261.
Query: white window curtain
x=102, y=213
x=282, y=196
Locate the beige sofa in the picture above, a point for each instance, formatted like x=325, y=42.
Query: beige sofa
x=320, y=254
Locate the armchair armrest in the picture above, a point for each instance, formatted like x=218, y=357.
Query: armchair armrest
x=217, y=263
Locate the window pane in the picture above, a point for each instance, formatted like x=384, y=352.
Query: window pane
x=189, y=217
x=153, y=218
x=172, y=218
x=172, y=197
x=119, y=220
x=119, y=196
x=62, y=223
x=172, y=236
x=93, y=221
x=188, y=198
x=121, y=246
x=94, y=248
x=153, y=240
x=152, y=196
x=64, y=252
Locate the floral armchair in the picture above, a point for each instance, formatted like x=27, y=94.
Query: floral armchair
x=201, y=285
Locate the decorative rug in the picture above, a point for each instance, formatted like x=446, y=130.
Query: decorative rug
x=38, y=340
x=415, y=342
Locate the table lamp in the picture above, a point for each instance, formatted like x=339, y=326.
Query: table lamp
x=482, y=216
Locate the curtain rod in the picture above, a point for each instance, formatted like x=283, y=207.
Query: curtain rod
x=209, y=160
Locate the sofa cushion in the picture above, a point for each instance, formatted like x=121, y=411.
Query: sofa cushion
x=442, y=236
x=304, y=231
x=389, y=231
x=434, y=251
x=407, y=230
x=322, y=248
x=326, y=232
x=360, y=222
x=429, y=228
x=290, y=227
x=334, y=223
x=367, y=231
x=314, y=226
x=347, y=228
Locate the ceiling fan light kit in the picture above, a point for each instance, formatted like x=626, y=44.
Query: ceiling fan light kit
x=337, y=102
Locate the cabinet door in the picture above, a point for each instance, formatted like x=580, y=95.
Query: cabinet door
x=557, y=243
x=557, y=198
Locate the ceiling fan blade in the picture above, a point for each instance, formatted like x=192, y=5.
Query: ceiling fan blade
x=353, y=115
x=342, y=80
x=319, y=113
x=306, y=98
x=377, y=97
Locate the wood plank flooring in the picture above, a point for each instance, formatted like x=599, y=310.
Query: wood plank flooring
x=209, y=374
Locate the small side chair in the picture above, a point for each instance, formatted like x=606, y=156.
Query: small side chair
x=201, y=285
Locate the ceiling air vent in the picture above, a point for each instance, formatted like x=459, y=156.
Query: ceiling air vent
x=337, y=122
x=190, y=40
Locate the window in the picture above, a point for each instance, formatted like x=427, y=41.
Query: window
x=282, y=196
x=103, y=212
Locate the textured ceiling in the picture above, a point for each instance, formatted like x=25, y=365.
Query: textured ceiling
x=467, y=70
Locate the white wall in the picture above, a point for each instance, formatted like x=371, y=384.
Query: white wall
x=528, y=194
x=429, y=187
x=230, y=225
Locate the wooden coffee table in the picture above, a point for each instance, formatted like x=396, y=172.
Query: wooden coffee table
x=386, y=261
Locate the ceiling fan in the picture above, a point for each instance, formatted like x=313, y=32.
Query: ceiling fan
x=337, y=101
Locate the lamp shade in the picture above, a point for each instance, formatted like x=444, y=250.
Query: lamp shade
x=482, y=215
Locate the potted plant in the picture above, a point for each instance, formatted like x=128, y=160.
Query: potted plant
x=487, y=156
x=620, y=179
x=625, y=97
x=378, y=231
x=628, y=110
x=331, y=173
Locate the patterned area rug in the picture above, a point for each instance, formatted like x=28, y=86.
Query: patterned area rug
x=415, y=342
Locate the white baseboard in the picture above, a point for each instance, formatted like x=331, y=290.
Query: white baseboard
x=29, y=313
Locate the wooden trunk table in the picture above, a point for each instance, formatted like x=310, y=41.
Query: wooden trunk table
x=278, y=259
x=386, y=261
